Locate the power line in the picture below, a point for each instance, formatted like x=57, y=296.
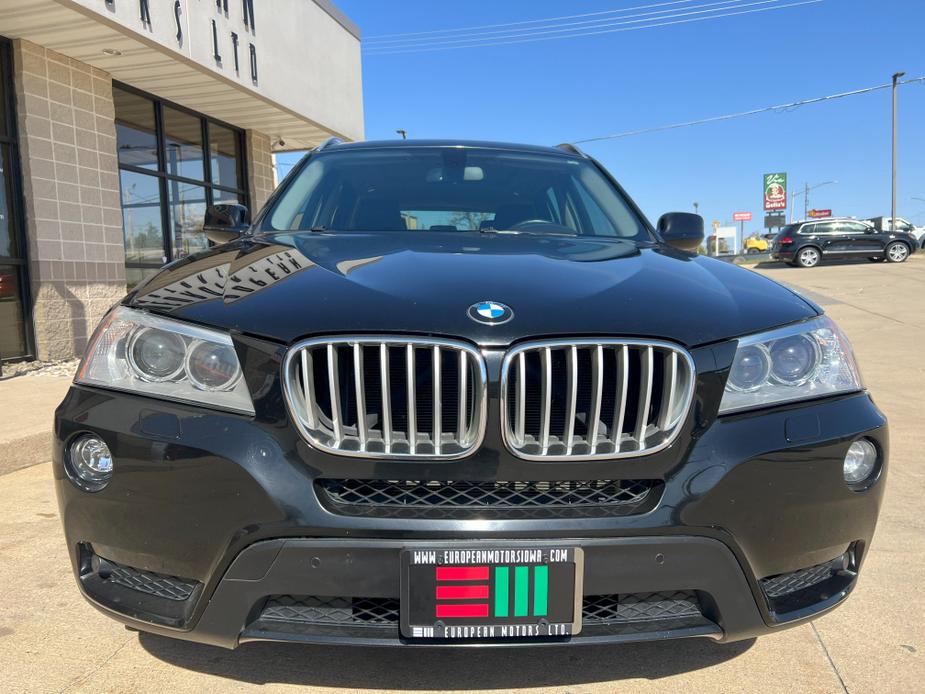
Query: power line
x=742, y=114
x=592, y=24
x=528, y=21
x=529, y=30
x=638, y=18
x=603, y=31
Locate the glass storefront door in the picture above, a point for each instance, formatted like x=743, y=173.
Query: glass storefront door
x=15, y=329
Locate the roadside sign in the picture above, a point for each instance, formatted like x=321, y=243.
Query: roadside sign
x=820, y=213
x=716, y=224
x=775, y=191
x=741, y=216
x=725, y=240
x=774, y=220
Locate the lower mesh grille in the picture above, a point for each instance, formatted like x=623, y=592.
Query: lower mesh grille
x=596, y=609
x=159, y=585
x=318, y=610
x=796, y=581
x=601, y=497
x=639, y=607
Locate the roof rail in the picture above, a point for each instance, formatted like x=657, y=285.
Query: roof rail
x=327, y=143
x=571, y=149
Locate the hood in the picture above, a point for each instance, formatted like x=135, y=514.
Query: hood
x=289, y=286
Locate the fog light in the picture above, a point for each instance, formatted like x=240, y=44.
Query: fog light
x=860, y=461
x=89, y=463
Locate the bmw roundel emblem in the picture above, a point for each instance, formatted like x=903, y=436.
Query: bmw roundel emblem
x=490, y=313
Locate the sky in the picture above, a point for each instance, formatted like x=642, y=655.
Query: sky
x=567, y=89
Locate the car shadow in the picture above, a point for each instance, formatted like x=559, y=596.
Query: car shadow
x=825, y=263
x=442, y=668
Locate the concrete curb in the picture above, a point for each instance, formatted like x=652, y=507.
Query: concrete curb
x=25, y=452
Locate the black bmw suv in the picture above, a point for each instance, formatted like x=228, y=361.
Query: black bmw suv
x=805, y=244
x=450, y=392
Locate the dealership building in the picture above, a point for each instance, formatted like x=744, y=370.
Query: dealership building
x=122, y=120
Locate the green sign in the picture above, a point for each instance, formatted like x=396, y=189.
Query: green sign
x=775, y=191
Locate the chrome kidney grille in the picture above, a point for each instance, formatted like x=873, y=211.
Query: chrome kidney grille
x=587, y=399
x=387, y=397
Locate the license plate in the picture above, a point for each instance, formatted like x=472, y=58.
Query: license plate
x=491, y=592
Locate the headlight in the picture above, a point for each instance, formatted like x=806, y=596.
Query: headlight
x=156, y=355
x=802, y=361
x=144, y=353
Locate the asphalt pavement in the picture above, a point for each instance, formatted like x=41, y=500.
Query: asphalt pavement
x=52, y=641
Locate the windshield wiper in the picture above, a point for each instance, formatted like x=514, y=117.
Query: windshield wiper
x=521, y=232
x=492, y=230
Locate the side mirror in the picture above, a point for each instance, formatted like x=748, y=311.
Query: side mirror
x=681, y=229
x=225, y=222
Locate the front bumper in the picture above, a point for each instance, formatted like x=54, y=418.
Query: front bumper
x=230, y=505
x=281, y=590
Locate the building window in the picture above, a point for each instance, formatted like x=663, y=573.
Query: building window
x=173, y=163
x=15, y=319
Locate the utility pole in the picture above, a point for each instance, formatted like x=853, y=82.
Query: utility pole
x=805, y=194
x=896, y=77
x=806, y=200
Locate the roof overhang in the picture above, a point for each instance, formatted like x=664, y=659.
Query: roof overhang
x=143, y=61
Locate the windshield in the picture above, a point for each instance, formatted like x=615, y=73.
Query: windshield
x=453, y=189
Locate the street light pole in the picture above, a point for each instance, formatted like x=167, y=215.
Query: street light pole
x=696, y=207
x=896, y=77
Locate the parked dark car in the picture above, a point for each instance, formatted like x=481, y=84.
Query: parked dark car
x=449, y=392
x=806, y=244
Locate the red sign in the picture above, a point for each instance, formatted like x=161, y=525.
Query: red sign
x=820, y=213
x=742, y=216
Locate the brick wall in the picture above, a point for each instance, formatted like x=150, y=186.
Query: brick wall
x=71, y=189
x=260, y=168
